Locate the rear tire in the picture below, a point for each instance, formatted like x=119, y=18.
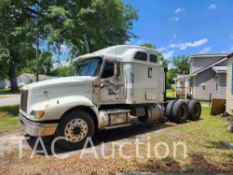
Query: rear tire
x=169, y=109
x=194, y=107
x=180, y=112
x=187, y=101
x=75, y=127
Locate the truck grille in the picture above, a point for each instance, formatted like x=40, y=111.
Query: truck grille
x=23, y=100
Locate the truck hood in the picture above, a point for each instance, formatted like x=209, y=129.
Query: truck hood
x=61, y=82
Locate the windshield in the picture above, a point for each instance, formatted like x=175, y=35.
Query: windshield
x=88, y=67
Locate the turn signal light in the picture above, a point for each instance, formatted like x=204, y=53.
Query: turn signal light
x=37, y=114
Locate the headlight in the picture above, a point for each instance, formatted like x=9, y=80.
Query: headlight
x=37, y=114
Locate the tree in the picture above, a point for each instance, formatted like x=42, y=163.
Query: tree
x=4, y=54
x=148, y=45
x=89, y=25
x=46, y=63
x=161, y=57
x=63, y=71
x=15, y=37
x=82, y=25
x=181, y=64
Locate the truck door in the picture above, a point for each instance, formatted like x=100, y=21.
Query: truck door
x=110, y=83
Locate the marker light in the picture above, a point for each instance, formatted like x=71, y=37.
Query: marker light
x=37, y=114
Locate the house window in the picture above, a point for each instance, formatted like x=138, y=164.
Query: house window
x=141, y=56
x=153, y=58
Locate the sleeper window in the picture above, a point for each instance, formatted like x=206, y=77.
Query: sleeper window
x=141, y=56
x=108, y=69
x=153, y=58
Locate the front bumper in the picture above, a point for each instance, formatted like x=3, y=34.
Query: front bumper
x=37, y=129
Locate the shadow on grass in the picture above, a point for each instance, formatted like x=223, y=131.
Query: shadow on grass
x=201, y=164
x=12, y=110
x=220, y=145
x=103, y=136
x=230, y=156
x=165, y=165
x=197, y=163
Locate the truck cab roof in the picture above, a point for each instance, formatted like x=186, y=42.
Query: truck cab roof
x=125, y=53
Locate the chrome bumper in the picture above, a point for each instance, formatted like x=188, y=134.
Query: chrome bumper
x=37, y=129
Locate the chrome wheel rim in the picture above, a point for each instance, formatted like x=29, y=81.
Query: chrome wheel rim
x=76, y=130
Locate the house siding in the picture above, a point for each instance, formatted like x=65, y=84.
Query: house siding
x=229, y=103
x=213, y=88
x=200, y=62
x=4, y=83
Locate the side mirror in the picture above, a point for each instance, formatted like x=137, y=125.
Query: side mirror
x=117, y=69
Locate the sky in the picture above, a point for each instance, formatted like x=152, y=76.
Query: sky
x=184, y=27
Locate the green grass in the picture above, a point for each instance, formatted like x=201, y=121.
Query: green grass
x=9, y=118
x=208, y=136
x=207, y=142
x=205, y=102
x=188, y=169
x=170, y=93
x=8, y=91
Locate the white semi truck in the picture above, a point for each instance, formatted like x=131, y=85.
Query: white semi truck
x=111, y=88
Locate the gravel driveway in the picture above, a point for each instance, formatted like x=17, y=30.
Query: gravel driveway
x=9, y=99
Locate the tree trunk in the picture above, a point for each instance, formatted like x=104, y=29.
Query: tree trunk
x=12, y=76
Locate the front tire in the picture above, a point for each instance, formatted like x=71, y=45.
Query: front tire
x=75, y=127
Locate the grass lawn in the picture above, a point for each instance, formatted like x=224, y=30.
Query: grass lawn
x=9, y=118
x=8, y=91
x=206, y=103
x=208, y=150
x=208, y=137
x=170, y=93
x=209, y=146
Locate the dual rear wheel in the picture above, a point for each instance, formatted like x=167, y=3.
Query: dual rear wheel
x=179, y=111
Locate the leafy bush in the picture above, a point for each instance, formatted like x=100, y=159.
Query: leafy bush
x=63, y=71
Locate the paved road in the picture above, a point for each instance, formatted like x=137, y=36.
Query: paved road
x=9, y=99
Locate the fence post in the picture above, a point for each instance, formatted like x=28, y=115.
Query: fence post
x=210, y=99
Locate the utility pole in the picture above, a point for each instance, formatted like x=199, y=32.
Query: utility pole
x=86, y=43
x=37, y=59
x=37, y=44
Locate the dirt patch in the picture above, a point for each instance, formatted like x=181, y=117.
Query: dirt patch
x=198, y=160
x=9, y=141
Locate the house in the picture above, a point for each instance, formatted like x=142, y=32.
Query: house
x=182, y=86
x=27, y=78
x=4, y=83
x=229, y=97
x=207, y=78
x=24, y=78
